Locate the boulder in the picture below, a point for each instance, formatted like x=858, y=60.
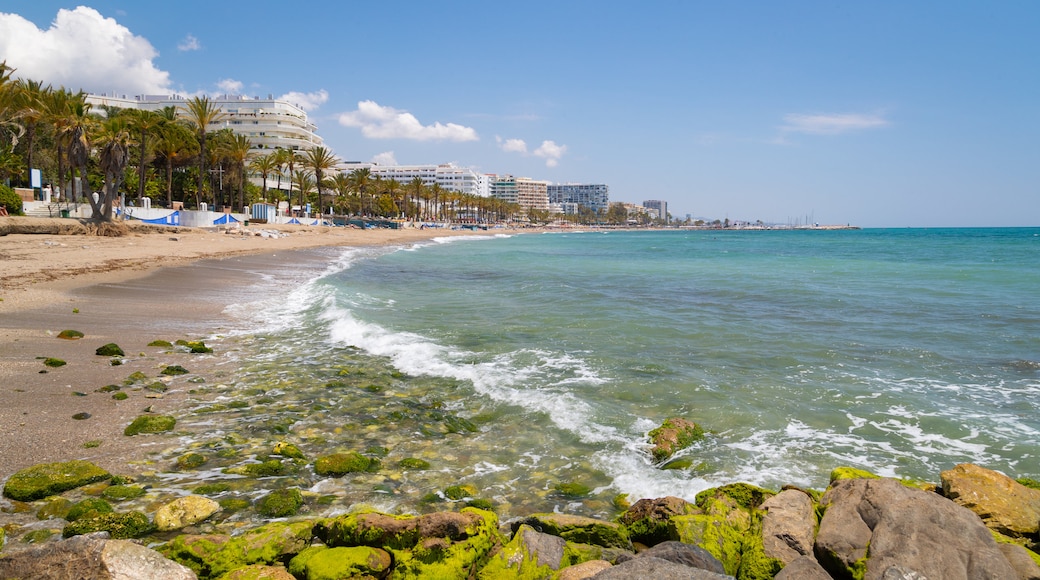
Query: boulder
x=658, y=569
x=1021, y=561
x=584, y=570
x=211, y=556
x=184, y=511
x=40, y=481
x=903, y=527
x=647, y=519
x=92, y=557
x=530, y=554
x=121, y=526
x=685, y=554
x=336, y=563
x=674, y=434
x=803, y=568
x=1007, y=507
x=580, y=529
x=259, y=572
x=789, y=526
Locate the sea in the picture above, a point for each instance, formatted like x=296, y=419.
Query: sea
x=519, y=364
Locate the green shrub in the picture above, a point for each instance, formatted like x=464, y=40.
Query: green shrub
x=10, y=200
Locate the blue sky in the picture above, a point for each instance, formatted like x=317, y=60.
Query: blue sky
x=879, y=114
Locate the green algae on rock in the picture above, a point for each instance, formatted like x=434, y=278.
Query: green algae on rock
x=55, y=507
x=53, y=362
x=150, y=424
x=161, y=343
x=119, y=526
x=173, y=370
x=746, y=495
x=581, y=529
x=840, y=473
x=517, y=559
x=413, y=463
x=88, y=507
x=70, y=334
x=674, y=434
x=191, y=460
x=572, y=489
x=460, y=492
x=40, y=481
x=120, y=396
x=122, y=492
x=280, y=503
x=288, y=450
x=212, y=556
x=340, y=464
x=110, y=349
x=195, y=346
x=343, y=562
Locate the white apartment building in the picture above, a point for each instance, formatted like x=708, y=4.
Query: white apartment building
x=268, y=123
x=446, y=175
x=657, y=206
x=570, y=195
x=523, y=191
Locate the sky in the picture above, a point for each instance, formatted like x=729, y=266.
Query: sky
x=879, y=114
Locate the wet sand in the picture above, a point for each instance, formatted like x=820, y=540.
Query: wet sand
x=130, y=291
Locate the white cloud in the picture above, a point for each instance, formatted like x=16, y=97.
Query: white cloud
x=832, y=123
x=551, y=152
x=378, y=122
x=512, y=145
x=82, y=50
x=230, y=86
x=190, y=43
x=307, y=101
x=385, y=158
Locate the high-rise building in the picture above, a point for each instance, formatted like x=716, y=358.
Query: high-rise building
x=570, y=195
x=659, y=207
x=526, y=192
x=446, y=175
x=268, y=123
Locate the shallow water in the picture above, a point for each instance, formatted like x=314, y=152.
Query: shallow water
x=519, y=363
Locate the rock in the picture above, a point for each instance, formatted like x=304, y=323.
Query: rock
x=674, y=434
x=647, y=519
x=119, y=526
x=280, y=503
x=150, y=424
x=184, y=511
x=211, y=556
x=789, y=526
x=584, y=570
x=530, y=554
x=336, y=563
x=1019, y=558
x=40, y=481
x=92, y=557
x=744, y=494
x=340, y=464
x=643, y=568
x=259, y=572
x=110, y=349
x=1006, y=506
x=685, y=554
x=803, y=568
x=840, y=473
x=437, y=545
x=903, y=526
x=581, y=529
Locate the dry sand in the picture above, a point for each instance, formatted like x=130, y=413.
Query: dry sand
x=128, y=290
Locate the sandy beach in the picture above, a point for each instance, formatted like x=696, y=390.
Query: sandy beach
x=154, y=284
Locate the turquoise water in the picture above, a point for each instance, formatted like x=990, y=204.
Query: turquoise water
x=518, y=363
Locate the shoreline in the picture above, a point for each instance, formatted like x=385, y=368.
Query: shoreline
x=128, y=290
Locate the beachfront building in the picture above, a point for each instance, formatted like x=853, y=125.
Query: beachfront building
x=446, y=175
x=526, y=192
x=570, y=196
x=659, y=207
x=268, y=123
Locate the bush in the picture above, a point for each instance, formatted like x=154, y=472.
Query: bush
x=10, y=200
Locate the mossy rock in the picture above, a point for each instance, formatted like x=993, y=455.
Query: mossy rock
x=744, y=494
x=581, y=529
x=212, y=556
x=53, y=362
x=413, y=463
x=161, y=343
x=679, y=464
x=108, y=389
x=174, y=370
x=211, y=488
x=460, y=492
x=233, y=504
x=110, y=349
x=88, y=507
x=120, y=396
x=572, y=489
x=340, y=464
x=33, y=537
x=45, y=479
x=195, y=346
x=191, y=460
x=123, y=492
x=517, y=560
x=119, y=526
x=268, y=468
x=70, y=335
x=674, y=434
x=55, y=507
x=321, y=563
x=840, y=473
x=280, y=503
x=288, y=450
x=135, y=377
x=150, y=424
x=1029, y=482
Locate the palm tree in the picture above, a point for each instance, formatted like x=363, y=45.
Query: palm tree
x=288, y=158
x=29, y=102
x=10, y=129
x=305, y=182
x=236, y=151
x=144, y=123
x=265, y=165
x=360, y=179
x=176, y=144
x=342, y=184
x=114, y=140
x=417, y=187
x=319, y=160
x=201, y=113
x=79, y=123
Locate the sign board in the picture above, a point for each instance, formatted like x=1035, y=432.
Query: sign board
x=35, y=179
